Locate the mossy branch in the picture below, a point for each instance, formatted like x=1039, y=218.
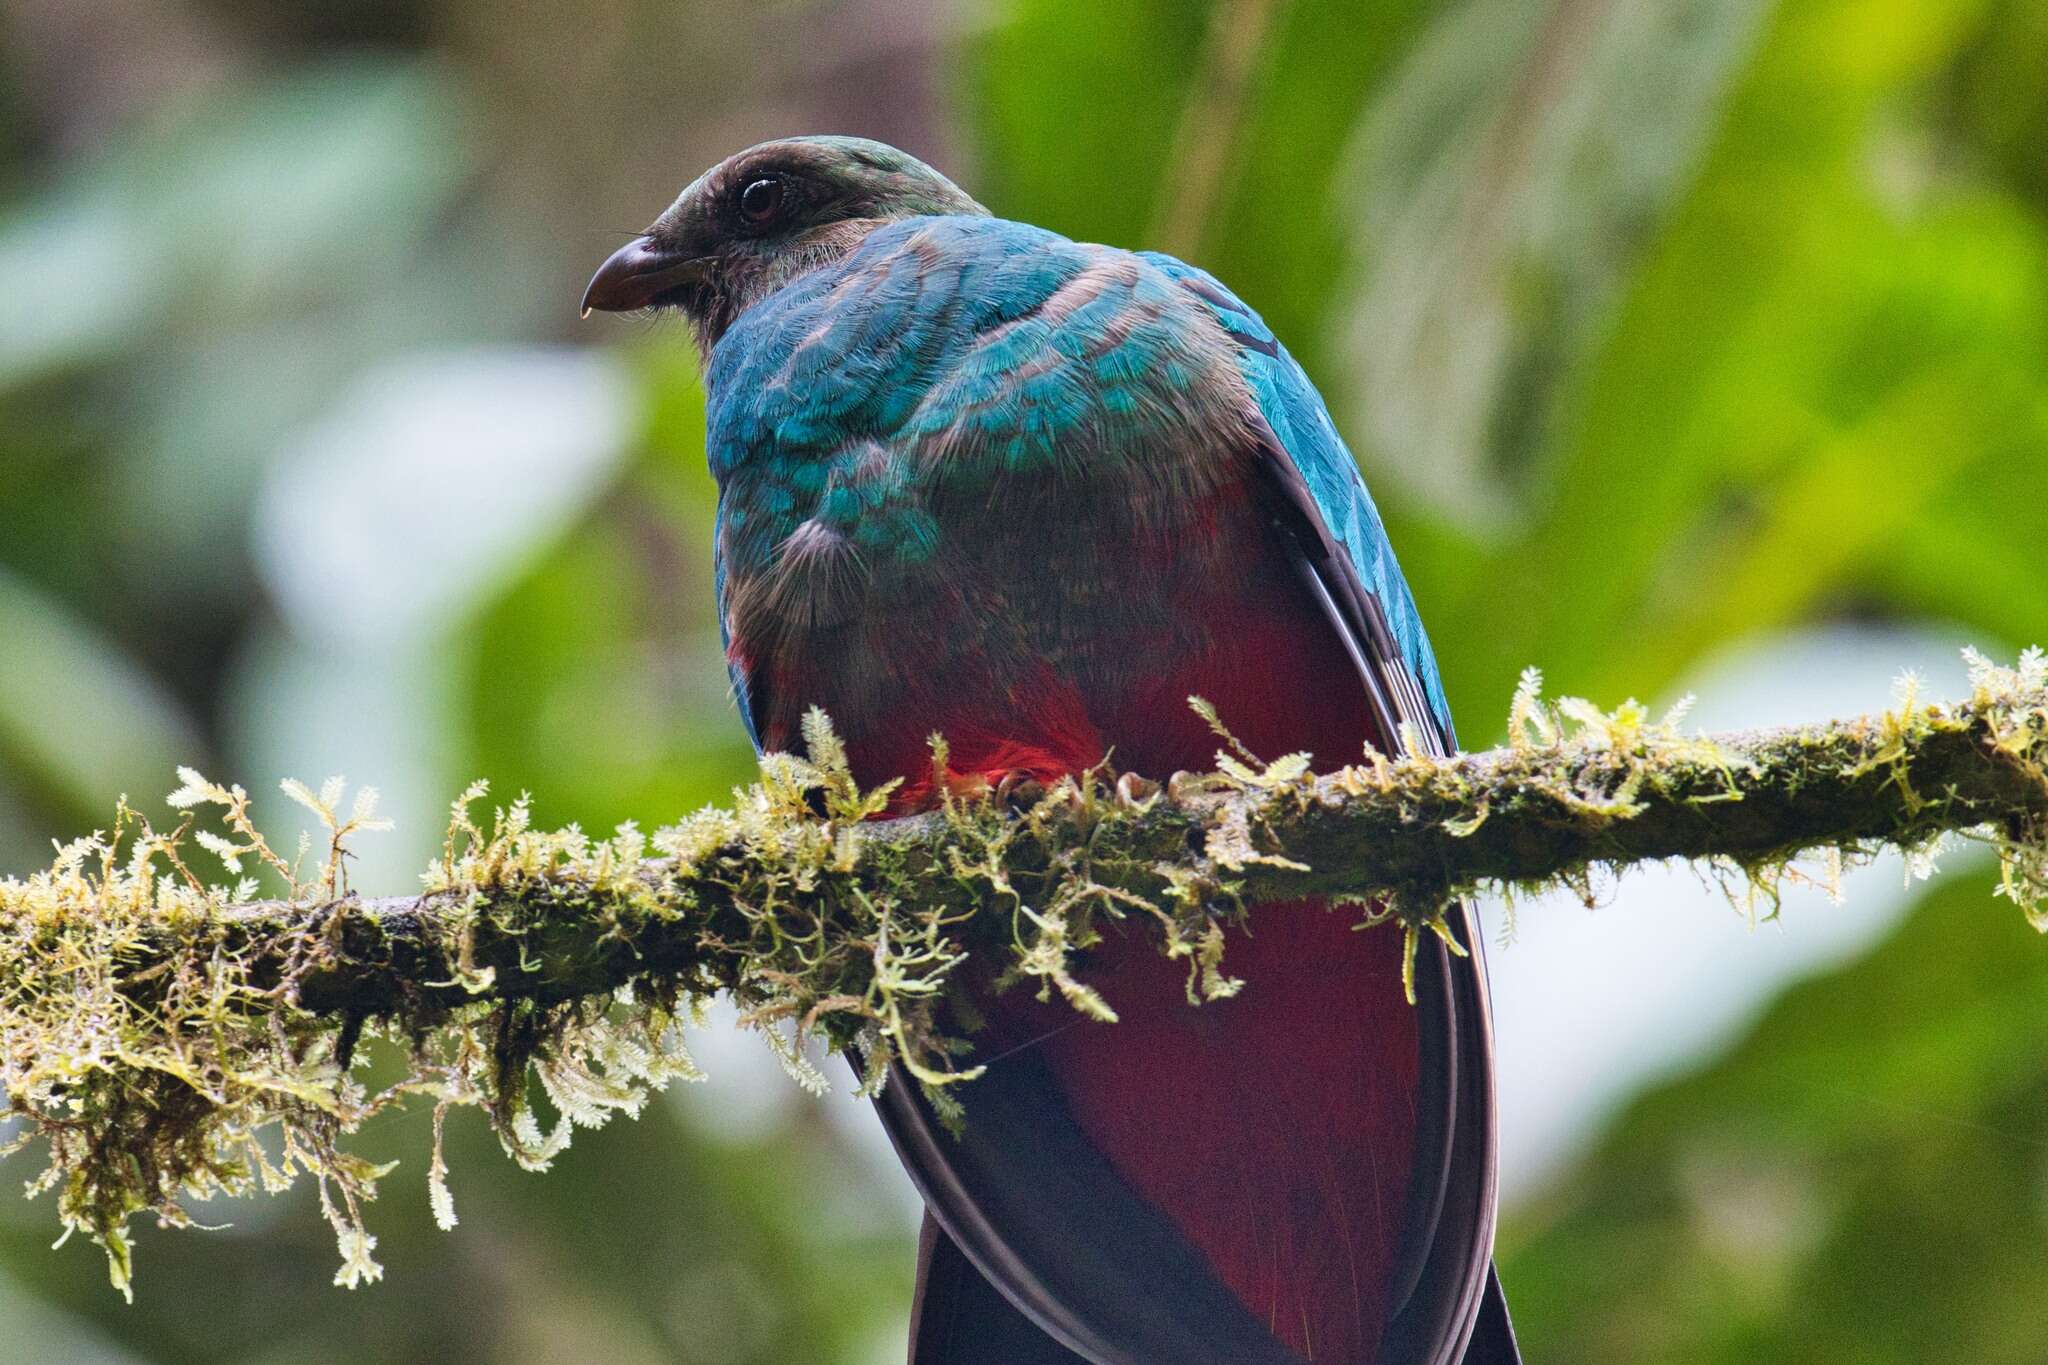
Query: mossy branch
x=165, y=1038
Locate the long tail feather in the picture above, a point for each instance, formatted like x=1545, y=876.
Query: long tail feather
x=1493, y=1336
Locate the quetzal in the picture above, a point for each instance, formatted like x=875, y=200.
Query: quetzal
x=1032, y=494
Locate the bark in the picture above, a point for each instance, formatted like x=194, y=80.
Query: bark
x=154, y=1028
x=1413, y=832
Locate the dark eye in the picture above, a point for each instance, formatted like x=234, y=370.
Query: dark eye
x=761, y=201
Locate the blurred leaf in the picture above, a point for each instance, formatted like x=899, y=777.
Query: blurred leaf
x=1505, y=184
x=1861, y=1178
x=430, y=482
x=599, y=678
x=1112, y=130
x=80, y=723
x=1997, y=97
x=1281, y=236
x=1849, y=501
x=1975, y=554
x=22, y=841
x=1783, y=303
x=279, y=195
x=1077, y=106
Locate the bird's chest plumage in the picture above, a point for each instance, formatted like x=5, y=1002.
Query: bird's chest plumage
x=1058, y=617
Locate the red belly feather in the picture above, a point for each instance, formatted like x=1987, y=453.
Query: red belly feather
x=1276, y=1129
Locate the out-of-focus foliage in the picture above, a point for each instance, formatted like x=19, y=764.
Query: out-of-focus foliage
x=1859, y=1179
x=1658, y=326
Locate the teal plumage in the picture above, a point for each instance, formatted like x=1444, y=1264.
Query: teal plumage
x=918, y=367
x=1032, y=493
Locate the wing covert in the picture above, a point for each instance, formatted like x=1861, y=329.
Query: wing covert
x=1320, y=504
x=1327, y=506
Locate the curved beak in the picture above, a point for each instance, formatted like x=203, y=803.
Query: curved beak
x=638, y=274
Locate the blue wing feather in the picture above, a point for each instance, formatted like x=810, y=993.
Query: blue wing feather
x=1298, y=416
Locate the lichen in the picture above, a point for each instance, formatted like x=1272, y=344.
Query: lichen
x=2016, y=715
x=158, y=1029
x=154, y=1077
x=166, y=1037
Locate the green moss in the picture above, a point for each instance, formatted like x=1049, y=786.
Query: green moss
x=158, y=1029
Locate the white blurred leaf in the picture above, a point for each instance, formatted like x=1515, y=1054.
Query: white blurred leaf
x=433, y=479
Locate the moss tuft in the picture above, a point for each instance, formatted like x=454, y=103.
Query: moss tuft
x=167, y=1037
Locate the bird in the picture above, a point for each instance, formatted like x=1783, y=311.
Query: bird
x=1033, y=494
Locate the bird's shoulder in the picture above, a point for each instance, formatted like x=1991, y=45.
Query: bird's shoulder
x=971, y=326
x=880, y=315
x=1302, y=435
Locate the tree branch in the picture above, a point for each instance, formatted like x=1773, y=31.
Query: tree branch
x=150, y=1024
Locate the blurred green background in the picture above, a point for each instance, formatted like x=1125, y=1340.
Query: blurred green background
x=1687, y=343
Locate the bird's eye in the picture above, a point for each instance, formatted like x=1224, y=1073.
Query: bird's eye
x=761, y=201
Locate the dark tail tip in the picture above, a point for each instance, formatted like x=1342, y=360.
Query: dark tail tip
x=1493, y=1335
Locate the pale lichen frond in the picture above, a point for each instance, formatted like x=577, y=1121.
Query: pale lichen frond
x=167, y=1038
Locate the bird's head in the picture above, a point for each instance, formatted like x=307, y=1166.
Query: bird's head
x=758, y=219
